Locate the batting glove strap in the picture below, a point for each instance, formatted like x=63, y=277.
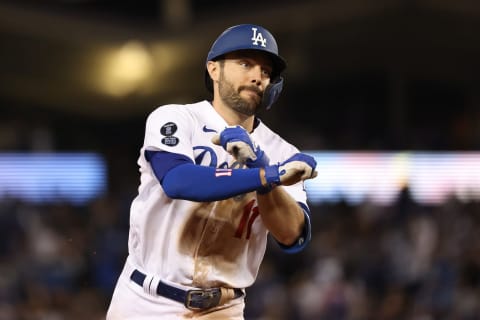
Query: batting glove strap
x=261, y=161
x=237, y=142
x=272, y=178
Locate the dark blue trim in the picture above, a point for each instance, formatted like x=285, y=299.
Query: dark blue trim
x=304, y=238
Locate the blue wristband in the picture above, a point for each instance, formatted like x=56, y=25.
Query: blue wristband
x=272, y=177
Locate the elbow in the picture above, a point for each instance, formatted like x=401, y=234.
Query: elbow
x=293, y=246
x=175, y=187
x=294, y=243
x=290, y=235
x=172, y=190
x=289, y=239
x=171, y=193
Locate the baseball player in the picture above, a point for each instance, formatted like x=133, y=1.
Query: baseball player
x=215, y=181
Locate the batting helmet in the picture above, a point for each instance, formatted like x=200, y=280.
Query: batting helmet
x=250, y=37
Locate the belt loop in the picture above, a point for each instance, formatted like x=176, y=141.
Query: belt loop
x=148, y=285
x=154, y=286
x=227, y=294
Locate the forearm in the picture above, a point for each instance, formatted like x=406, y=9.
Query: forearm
x=199, y=183
x=282, y=215
x=287, y=220
x=182, y=179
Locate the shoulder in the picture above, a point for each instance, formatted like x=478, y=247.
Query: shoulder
x=264, y=133
x=273, y=143
x=170, y=108
x=176, y=111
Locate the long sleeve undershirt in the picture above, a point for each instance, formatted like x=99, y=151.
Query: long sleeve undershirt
x=182, y=179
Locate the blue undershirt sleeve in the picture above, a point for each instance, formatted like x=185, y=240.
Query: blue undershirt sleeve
x=182, y=179
x=162, y=161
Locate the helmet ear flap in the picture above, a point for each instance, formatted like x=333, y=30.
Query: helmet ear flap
x=272, y=92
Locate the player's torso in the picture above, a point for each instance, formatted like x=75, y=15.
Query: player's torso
x=206, y=244
x=220, y=234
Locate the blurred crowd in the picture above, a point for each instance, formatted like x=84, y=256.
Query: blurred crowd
x=59, y=261
x=402, y=261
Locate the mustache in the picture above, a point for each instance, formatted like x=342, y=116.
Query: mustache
x=252, y=88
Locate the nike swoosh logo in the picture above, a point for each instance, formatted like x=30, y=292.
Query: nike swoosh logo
x=205, y=129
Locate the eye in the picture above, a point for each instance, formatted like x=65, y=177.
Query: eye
x=244, y=63
x=266, y=72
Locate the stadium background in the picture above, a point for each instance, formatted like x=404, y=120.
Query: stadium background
x=363, y=76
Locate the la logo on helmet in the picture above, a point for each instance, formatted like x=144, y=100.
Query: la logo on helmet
x=258, y=37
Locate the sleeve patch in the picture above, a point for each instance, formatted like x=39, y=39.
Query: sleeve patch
x=168, y=129
x=170, y=141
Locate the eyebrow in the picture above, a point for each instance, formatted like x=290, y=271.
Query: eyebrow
x=265, y=62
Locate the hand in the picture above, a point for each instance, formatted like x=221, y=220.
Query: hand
x=298, y=167
x=236, y=141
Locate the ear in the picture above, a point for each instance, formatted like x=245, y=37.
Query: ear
x=213, y=70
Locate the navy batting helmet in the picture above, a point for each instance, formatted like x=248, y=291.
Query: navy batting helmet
x=250, y=37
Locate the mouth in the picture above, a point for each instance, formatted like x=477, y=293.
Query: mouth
x=252, y=91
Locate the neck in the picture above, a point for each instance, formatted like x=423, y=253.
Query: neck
x=231, y=117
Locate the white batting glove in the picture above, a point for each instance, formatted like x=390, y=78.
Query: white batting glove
x=236, y=141
x=297, y=168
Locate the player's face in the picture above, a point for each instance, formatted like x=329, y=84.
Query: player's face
x=243, y=77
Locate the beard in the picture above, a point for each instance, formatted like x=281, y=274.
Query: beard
x=232, y=98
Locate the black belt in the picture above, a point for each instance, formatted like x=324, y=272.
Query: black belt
x=194, y=299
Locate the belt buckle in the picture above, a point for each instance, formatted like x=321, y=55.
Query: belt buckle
x=202, y=299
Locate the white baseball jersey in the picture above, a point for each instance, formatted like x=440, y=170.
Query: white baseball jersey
x=199, y=244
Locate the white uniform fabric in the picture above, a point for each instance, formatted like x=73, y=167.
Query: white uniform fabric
x=196, y=244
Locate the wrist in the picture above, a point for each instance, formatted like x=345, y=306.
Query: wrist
x=263, y=179
x=272, y=175
x=269, y=178
x=261, y=161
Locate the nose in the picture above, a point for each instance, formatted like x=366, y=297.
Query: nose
x=256, y=75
